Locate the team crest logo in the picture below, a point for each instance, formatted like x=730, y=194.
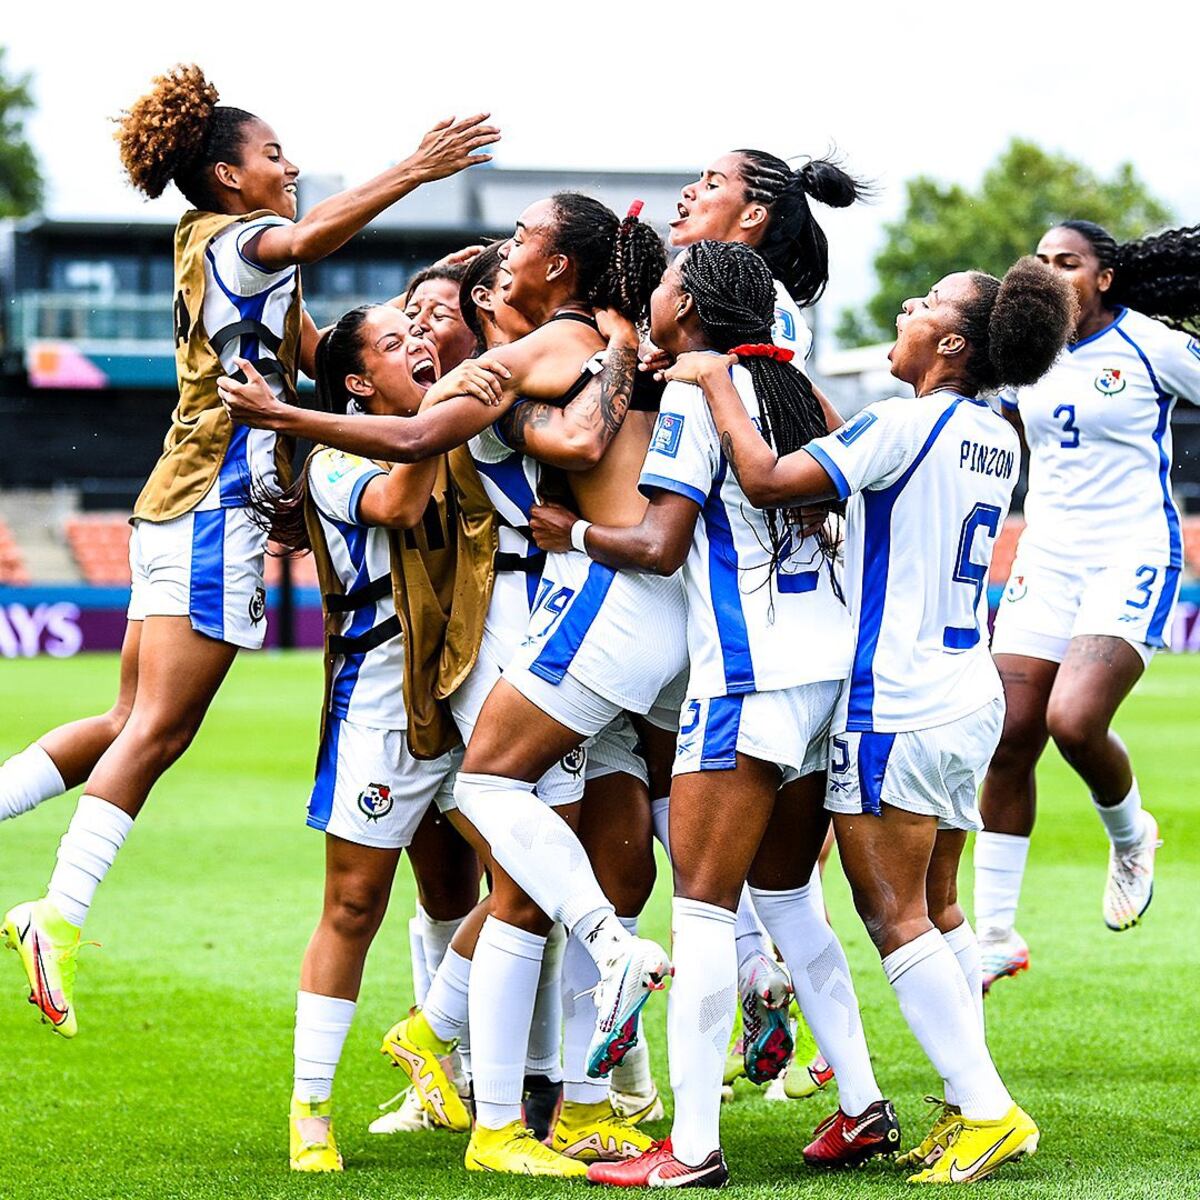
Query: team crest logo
x=667, y=433
x=1110, y=381
x=1017, y=589
x=340, y=464
x=573, y=761
x=376, y=802
x=258, y=605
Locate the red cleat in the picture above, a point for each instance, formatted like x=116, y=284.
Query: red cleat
x=659, y=1167
x=843, y=1141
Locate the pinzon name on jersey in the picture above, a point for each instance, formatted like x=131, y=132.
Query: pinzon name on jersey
x=986, y=460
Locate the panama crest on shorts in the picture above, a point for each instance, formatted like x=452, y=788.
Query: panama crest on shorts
x=375, y=801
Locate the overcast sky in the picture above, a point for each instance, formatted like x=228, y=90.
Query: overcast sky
x=899, y=88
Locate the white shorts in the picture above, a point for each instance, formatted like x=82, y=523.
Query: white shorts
x=788, y=727
x=616, y=749
x=623, y=635
x=1046, y=604
x=206, y=565
x=664, y=712
x=935, y=772
x=370, y=790
x=563, y=783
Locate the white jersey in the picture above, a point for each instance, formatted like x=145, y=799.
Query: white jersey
x=245, y=309
x=749, y=629
x=367, y=684
x=930, y=482
x=790, y=330
x=1098, y=427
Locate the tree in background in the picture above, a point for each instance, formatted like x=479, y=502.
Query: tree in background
x=947, y=228
x=20, y=179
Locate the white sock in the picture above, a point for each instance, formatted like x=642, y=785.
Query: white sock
x=26, y=780
x=1123, y=821
x=322, y=1023
x=700, y=1011
x=965, y=947
x=936, y=1004
x=416, y=954
x=86, y=852
x=505, y=973
x=660, y=815
x=750, y=936
x=632, y=1073
x=999, y=868
x=445, y=1006
x=533, y=844
x=601, y=933
x=824, y=989
x=544, y=1053
x=435, y=938
x=579, y=975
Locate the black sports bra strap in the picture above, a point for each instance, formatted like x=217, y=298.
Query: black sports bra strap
x=582, y=318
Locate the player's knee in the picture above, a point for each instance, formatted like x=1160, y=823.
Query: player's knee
x=1020, y=744
x=1071, y=730
x=627, y=881
x=451, y=895
x=522, y=913
x=355, y=912
x=162, y=737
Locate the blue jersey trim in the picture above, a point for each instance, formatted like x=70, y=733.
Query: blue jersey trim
x=320, y=803
x=363, y=620
x=724, y=593
x=1009, y=405
x=650, y=483
x=718, y=752
x=839, y=480
x=876, y=556
x=509, y=477
x=1073, y=346
x=1166, y=601
x=356, y=492
x=874, y=750
x=1165, y=402
x=206, y=597
x=259, y=228
x=563, y=644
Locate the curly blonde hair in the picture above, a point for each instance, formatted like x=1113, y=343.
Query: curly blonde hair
x=175, y=132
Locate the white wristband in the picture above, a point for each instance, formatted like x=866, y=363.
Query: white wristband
x=578, y=532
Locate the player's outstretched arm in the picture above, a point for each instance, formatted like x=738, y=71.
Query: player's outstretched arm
x=767, y=480
x=449, y=147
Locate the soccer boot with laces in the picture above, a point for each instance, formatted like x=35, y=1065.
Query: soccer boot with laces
x=306, y=1152
x=933, y=1144
x=976, y=1149
x=636, y=967
x=47, y=944
x=1002, y=954
x=1130, y=884
x=597, y=1133
x=424, y=1057
x=659, y=1167
x=841, y=1141
x=513, y=1150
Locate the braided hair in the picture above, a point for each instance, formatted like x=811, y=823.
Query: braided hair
x=339, y=353
x=176, y=133
x=734, y=296
x=794, y=246
x=1157, y=275
x=618, y=264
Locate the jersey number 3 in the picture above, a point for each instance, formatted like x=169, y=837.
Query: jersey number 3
x=987, y=518
x=1066, y=414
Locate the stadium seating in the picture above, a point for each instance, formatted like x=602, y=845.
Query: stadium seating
x=12, y=561
x=100, y=544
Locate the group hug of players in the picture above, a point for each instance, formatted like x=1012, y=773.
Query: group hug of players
x=599, y=563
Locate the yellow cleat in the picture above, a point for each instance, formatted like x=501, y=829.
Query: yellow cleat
x=303, y=1153
x=418, y=1052
x=976, y=1149
x=513, y=1150
x=48, y=944
x=934, y=1143
x=597, y=1133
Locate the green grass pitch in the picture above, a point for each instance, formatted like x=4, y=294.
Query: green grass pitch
x=178, y=1083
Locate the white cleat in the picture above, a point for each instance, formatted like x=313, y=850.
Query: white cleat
x=1130, y=885
x=764, y=991
x=637, y=967
x=1003, y=954
x=637, y=1107
x=406, y=1117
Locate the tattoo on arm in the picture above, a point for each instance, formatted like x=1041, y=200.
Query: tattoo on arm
x=616, y=388
x=522, y=417
x=730, y=456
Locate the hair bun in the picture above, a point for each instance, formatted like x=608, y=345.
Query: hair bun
x=827, y=183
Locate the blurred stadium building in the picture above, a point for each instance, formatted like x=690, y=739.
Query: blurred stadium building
x=87, y=384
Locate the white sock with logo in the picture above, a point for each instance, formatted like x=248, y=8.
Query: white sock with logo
x=939, y=1010
x=416, y=953
x=533, y=844
x=700, y=1011
x=544, y=1054
x=579, y=976
x=824, y=989
x=999, y=869
x=1123, y=822
x=27, y=779
x=505, y=973
x=322, y=1023
x=87, y=850
x=445, y=1006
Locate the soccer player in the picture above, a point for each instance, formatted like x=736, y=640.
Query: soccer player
x=1091, y=592
x=929, y=482
x=196, y=553
x=768, y=646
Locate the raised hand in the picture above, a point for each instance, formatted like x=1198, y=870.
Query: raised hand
x=450, y=146
x=482, y=378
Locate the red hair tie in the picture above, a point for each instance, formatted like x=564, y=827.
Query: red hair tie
x=635, y=210
x=758, y=350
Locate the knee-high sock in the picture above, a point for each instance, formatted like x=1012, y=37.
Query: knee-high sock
x=632, y=1073
x=26, y=780
x=965, y=947
x=579, y=976
x=446, y=1005
x=416, y=952
x=660, y=815
x=544, y=1054
x=749, y=934
x=87, y=850
x=999, y=869
x=322, y=1023
x=939, y=1010
x=700, y=1012
x=504, y=975
x=824, y=989
x=435, y=938
x=541, y=852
